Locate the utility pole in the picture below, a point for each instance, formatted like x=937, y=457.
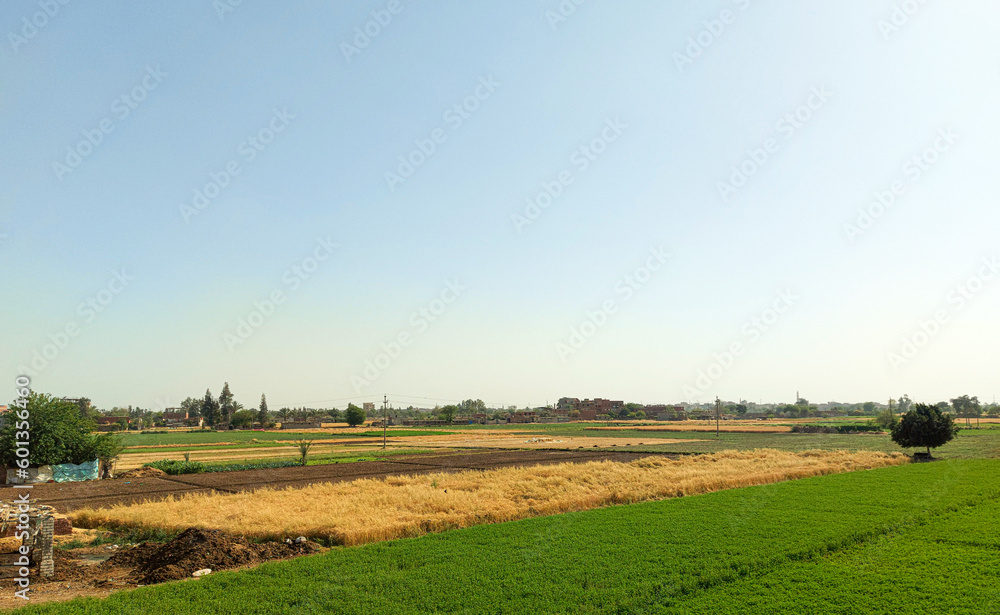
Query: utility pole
x=718, y=411
x=385, y=419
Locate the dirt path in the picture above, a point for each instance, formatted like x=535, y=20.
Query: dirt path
x=70, y=496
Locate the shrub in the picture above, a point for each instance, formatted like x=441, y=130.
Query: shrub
x=258, y=465
x=175, y=467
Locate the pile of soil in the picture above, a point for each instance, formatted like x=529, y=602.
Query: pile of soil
x=141, y=472
x=194, y=549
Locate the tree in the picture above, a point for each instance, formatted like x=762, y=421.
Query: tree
x=284, y=414
x=60, y=433
x=967, y=407
x=868, y=407
x=924, y=425
x=741, y=409
x=108, y=448
x=304, y=446
x=226, y=407
x=192, y=406
x=209, y=408
x=262, y=416
x=904, y=404
x=473, y=406
x=354, y=416
x=886, y=419
x=447, y=413
x=242, y=419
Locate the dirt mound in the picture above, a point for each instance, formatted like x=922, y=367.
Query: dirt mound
x=141, y=472
x=194, y=549
x=132, y=557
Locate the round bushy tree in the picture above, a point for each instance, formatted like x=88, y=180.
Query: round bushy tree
x=354, y=415
x=925, y=426
x=59, y=432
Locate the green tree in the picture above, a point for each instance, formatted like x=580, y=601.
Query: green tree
x=741, y=409
x=354, y=416
x=886, y=419
x=967, y=407
x=447, y=413
x=304, y=446
x=284, y=414
x=868, y=407
x=473, y=406
x=924, y=425
x=209, y=408
x=108, y=448
x=59, y=432
x=226, y=406
x=262, y=416
x=242, y=419
x=192, y=406
x=904, y=404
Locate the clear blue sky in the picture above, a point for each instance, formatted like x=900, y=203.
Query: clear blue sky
x=671, y=120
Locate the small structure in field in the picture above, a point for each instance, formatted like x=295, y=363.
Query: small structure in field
x=36, y=536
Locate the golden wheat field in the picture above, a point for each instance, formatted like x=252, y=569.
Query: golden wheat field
x=371, y=510
x=702, y=426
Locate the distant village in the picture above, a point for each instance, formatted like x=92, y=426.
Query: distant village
x=234, y=415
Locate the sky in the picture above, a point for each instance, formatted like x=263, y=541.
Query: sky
x=657, y=202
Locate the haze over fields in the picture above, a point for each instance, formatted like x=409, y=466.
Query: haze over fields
x=656, y=202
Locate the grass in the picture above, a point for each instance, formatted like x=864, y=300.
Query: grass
x=905, y=539
x=969, y=444
x=370, y=510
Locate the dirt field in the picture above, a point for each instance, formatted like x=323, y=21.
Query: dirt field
x=70, y=496
x=101, y=570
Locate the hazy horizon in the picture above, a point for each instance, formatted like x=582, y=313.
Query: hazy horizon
x=512, y=202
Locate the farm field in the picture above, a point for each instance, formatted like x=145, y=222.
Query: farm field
x=70, y=496
x=913, y=538
x=361, y=444
x=367, y=510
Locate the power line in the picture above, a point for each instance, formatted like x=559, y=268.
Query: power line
x=322, y=401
